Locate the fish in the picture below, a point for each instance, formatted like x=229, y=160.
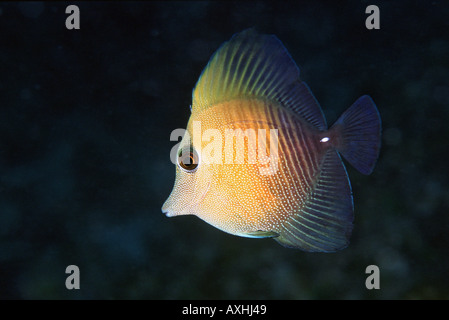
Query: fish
x=290, y=184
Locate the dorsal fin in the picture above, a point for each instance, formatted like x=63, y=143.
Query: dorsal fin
x=251, y=65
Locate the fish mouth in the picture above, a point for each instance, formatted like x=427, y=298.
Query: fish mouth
x=170, y=213
x=167, y=212
x=165, y=209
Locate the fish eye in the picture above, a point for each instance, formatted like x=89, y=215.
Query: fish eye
x=188, y=159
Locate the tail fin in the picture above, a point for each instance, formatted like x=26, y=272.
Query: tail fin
x=358, y=130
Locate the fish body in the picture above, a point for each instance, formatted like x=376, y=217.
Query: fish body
x=258, y=160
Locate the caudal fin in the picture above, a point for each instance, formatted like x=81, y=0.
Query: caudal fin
x=358, y=130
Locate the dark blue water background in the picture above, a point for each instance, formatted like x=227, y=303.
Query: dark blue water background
x=85, y=121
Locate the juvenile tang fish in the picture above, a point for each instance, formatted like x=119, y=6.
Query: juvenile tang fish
x=257, y=158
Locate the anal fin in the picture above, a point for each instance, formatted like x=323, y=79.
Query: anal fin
x=324, y=223
x=260, y=234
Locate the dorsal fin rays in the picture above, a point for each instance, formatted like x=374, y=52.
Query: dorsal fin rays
x=302, y=101
x=254, y=66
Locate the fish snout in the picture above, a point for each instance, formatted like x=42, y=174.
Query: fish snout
x=166, y=210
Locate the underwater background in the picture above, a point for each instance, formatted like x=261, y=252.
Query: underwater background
x=85, y=123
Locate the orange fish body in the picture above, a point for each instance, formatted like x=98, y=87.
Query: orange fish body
x=257, y=159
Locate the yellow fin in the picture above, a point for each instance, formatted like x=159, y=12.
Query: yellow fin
x=250, y=66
